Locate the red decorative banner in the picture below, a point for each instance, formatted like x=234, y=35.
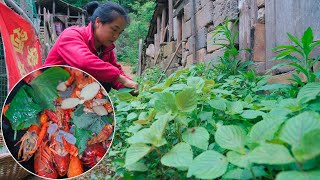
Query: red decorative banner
x=21, y=45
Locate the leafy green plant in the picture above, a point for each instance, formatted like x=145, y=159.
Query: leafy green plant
x=128, y=42
x=150, y=77
x=228, y=64
x=299, y=56
x=189, y=126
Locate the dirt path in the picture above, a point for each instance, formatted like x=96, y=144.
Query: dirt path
x=127, y=69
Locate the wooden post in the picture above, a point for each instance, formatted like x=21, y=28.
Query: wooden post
x=170, y=61
x=159, y=28
x=45, y=26
x=253, y=13
x=39, y=12
x=244, y=30
x=163, y=25
x=170, y=10
x=271, y=22
x=54, y=8
x=46, y=38
x=39, y=16
x=156, y=48
x=52, y=23
x=83, y=20
x=67, y=18
x=179, y=30
x=54, y=34
x=139, y=70
x=193, y=31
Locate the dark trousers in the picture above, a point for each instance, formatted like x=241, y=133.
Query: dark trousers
x=106, y=85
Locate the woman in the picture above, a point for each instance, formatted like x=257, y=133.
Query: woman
x=90, y=48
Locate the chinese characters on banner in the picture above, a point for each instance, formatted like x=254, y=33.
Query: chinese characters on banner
x=21, y=45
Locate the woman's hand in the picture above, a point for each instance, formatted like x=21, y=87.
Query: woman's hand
x=127, y=82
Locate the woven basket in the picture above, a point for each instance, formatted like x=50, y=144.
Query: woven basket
x=9, y=169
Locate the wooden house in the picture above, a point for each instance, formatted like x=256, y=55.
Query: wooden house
x=180, y=32
x=51, y=10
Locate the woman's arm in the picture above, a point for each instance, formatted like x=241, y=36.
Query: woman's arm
x=124, y=80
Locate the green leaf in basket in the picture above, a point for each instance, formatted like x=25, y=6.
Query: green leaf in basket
x=88, y=121
x=82, y=137
x=45, y=86
x=22, y=111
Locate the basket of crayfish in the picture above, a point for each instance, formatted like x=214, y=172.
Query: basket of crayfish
x=58, y=122
x=9, y=169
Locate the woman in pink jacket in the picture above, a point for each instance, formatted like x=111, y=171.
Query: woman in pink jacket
x=90, y=48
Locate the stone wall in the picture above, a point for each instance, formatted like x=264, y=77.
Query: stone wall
x=207, y=14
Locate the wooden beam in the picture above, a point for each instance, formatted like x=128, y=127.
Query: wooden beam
x=54, y=8
x=170, y=10
x=39, y=11
x=83, y=19
x=157, y=35
x=171, y=59
x=179, y=30
x=54, y=34
x=163, y=25
x=45, y=26
x=156, y=48
x=139, y=70
x=158, y=25
x=46, y=33
x=193, y=32
x=67, y=19
x=39, y=16
x=244, y=30
x=270, y=19
x=253, y=13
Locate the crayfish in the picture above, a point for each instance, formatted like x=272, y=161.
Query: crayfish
x=92, y=155
x=29, y=143
x=61, y=157
x=43, y=162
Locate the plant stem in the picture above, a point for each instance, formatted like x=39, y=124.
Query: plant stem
x=271, y=173
x=253, y=175
x=179, y=132
x=160, y=166
x=201, y=111
x=15, y=135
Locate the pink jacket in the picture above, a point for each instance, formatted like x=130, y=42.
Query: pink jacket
x=75, y=47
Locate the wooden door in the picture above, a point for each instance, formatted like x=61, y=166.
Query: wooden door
x=292, y=16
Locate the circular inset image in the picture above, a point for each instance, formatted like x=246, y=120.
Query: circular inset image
x=58, y=122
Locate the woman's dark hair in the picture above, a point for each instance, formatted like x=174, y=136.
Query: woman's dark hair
x=107, y=12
